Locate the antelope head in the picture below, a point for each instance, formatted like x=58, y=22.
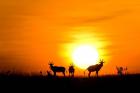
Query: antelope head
x=101, y=61
x=51, y=63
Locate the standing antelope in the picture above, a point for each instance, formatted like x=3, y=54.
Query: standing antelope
x=121, y=70
x=96, y=68
x=57, y=69
x=71, y=70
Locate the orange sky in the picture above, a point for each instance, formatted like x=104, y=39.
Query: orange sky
x=33, y=32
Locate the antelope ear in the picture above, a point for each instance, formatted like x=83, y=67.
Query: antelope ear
x=101, y=60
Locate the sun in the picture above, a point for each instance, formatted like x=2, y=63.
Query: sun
x=85, y=55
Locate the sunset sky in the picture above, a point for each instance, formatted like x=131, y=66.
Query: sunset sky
x=34, y=32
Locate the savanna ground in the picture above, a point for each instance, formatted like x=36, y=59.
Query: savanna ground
x=108, y=83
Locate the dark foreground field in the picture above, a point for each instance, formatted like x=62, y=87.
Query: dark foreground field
x=128, y=83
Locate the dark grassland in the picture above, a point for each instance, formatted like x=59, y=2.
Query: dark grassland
x=110, y=83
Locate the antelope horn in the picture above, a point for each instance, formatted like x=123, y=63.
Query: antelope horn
x=50, y=62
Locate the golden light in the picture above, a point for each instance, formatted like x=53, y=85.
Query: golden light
x=84, y=56
x=83, y=47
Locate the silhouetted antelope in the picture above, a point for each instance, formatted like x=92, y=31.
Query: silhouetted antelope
x=96, y=68
x=57, y=69
x=71, y=70
x=121, y=70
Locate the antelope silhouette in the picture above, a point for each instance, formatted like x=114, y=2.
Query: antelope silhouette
x=71, y=70
x=121, y=70
x=95, y=68
x=56, y=69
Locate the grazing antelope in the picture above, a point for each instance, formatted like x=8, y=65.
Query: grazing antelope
x=95, y=67
x=71, y=70
x=57, y=69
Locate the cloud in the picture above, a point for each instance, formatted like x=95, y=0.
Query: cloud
x=106, y=17
x=100, y=18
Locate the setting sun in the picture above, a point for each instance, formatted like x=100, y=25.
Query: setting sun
x=84, y=55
